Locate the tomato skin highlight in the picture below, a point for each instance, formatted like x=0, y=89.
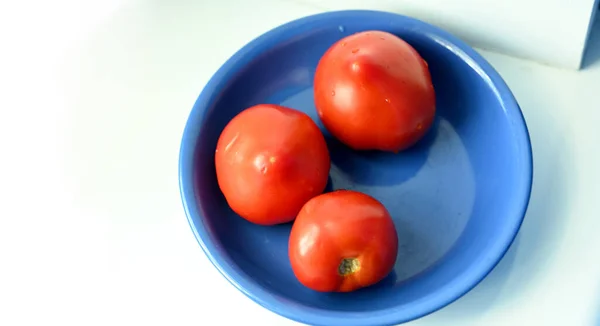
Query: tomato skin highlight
x=270, y=160
x=342, y=232
x=373, y=91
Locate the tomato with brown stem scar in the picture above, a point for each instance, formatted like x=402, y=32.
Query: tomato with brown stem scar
x=342, y=241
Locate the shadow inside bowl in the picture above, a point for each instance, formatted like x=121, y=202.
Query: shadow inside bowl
x=377, y=167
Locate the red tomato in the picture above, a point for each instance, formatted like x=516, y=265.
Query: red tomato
x=342, y=241
x=271, y=160
x=373, y=91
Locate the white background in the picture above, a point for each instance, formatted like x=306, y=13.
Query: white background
x=93, y=100
x=549, y=31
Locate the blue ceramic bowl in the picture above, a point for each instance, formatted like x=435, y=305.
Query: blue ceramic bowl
x=458, y=197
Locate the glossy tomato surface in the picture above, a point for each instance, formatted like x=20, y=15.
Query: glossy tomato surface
x=342, y=241
x=373, y=91
x=270, y=160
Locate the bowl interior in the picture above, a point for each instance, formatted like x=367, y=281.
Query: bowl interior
x=457, y=197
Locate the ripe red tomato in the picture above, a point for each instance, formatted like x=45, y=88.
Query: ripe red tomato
x=271, y=160
x=373, y=91
x=342, y=241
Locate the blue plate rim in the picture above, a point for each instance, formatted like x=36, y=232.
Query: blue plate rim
x=315, y=316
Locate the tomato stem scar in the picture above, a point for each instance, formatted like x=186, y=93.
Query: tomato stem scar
x=348, y=266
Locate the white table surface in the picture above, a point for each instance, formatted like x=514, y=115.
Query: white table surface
x=92, y=231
